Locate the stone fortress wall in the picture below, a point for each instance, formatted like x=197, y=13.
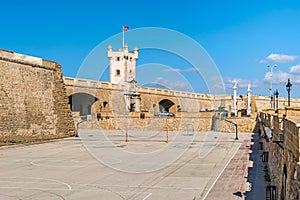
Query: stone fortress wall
x=33, y=101
x=107, y=99
x=283, y=149
x=190, y=109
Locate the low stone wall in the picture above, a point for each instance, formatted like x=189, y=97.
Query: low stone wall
x=283, y=150
x=202, y=121
x=244, y=124
x=33, y=101
x=185, y=121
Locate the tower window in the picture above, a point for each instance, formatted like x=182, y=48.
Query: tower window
x=105, y=104
x=118, y=58
x=118, y=72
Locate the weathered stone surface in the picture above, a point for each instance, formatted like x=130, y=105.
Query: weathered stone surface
x=189, y=108
x=283, y=149
x=33, y=101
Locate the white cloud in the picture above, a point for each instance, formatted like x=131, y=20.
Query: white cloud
x=295, y=69
x=277, y=77
x=216, y=85
x=281, y=58
x=192, y=69
x=241, y=83
x=172, y=70
x=179, y=85
x=281, y=77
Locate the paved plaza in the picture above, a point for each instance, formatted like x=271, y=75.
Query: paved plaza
x=102, y=165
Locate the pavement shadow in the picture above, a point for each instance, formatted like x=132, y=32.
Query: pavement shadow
x=256, y=173
x=238, y=194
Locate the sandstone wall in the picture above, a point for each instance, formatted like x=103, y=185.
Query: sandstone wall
x=192, y=106
x=188, y=101
x=244, y=124
x=283, y=149
x=185, y=122
x=33, y=100
x=263, y=102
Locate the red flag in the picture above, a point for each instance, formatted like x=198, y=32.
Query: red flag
x=125, y=28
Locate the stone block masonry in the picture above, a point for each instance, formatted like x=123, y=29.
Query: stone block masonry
x=283, y=151
x=33, y=101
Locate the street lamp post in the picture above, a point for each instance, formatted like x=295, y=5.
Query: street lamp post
x=234, y=98
x=271, y=79
x=288, y=89
x=276, y=93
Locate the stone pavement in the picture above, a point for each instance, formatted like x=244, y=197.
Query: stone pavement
x=256, y=173
x=213, y=166
x=243, y=178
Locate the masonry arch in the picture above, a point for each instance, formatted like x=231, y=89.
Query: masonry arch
x=165, y=105
x=82, y=103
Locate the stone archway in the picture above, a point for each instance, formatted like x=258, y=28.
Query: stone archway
x=82, y=103
x=165, y=105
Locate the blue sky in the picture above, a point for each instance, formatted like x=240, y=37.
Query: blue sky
x=241, y=37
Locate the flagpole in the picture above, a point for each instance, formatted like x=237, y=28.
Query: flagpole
x=123, y=39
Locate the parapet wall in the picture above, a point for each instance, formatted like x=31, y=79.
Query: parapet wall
x=33, y=100
x=110, y=86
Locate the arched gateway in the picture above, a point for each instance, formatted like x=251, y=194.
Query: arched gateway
x=165, y=105
x=82, y=103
